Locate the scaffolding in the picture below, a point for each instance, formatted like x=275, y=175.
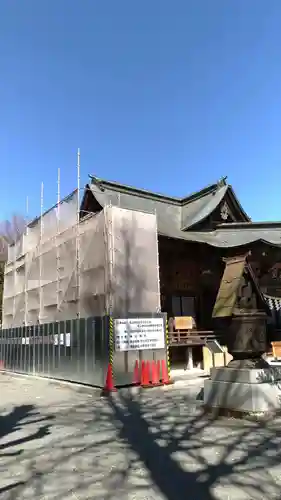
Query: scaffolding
x=65, y=267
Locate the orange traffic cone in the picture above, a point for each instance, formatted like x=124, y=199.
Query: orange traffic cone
x=155, y=375
x=142, y=372
x=159, y=370
x=145, y=377
x=136, y=375
x=109, y=383
x=165, y=375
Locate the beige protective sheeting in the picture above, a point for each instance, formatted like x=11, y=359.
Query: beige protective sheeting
x=116, y=272
x=134, y=269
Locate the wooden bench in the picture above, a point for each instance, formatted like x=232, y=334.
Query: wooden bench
x=184, y=332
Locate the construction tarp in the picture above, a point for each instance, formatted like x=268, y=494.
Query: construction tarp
x=106, y=264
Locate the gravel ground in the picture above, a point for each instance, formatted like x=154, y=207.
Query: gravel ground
x=60, y=443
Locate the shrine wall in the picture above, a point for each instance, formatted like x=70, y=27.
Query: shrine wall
x=191, y=273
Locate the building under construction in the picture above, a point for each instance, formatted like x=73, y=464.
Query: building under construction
x=73, y=262
x=98, y=256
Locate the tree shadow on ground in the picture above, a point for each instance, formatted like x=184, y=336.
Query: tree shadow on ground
x=16, y=421
x=153, y=445
x=158, y=445
x=198, y=455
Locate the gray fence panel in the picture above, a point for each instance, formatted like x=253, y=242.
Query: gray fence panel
x=75, y=350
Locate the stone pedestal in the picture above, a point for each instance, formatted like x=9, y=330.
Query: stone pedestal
x=244, y=390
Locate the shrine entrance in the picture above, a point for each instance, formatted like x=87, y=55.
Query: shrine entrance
x=189, y=278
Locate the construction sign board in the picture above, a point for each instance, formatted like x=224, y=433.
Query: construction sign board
x=139, y=334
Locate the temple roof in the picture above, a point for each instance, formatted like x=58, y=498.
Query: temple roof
x=180, y=218
x=184, y=213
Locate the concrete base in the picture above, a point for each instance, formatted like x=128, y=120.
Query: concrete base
x=244, y=390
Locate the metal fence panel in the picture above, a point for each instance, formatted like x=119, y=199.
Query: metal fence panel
x=74, y=350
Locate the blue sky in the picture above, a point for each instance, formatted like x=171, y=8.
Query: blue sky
x=160, y=94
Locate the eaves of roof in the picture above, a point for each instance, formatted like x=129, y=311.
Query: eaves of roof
x=227, y=238
x=250, y=226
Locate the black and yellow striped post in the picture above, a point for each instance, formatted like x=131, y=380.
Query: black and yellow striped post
x=168, y=351
x=109, y=386
x=111, y=341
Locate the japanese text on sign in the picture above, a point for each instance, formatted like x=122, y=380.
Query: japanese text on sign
x=139, y=333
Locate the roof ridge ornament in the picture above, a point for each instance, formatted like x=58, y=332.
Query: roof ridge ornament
x=224, y=211
x=97, y=182
x=222, y=182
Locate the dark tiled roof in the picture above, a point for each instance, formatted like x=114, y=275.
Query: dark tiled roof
x=177, y=217
x=181, y=213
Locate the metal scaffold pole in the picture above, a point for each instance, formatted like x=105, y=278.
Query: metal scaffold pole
x=40, y=255
x=57, y=241
x=14, y=286
x=25, y=269
x=78, y=267
x=110, y=254
x=157, y=267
